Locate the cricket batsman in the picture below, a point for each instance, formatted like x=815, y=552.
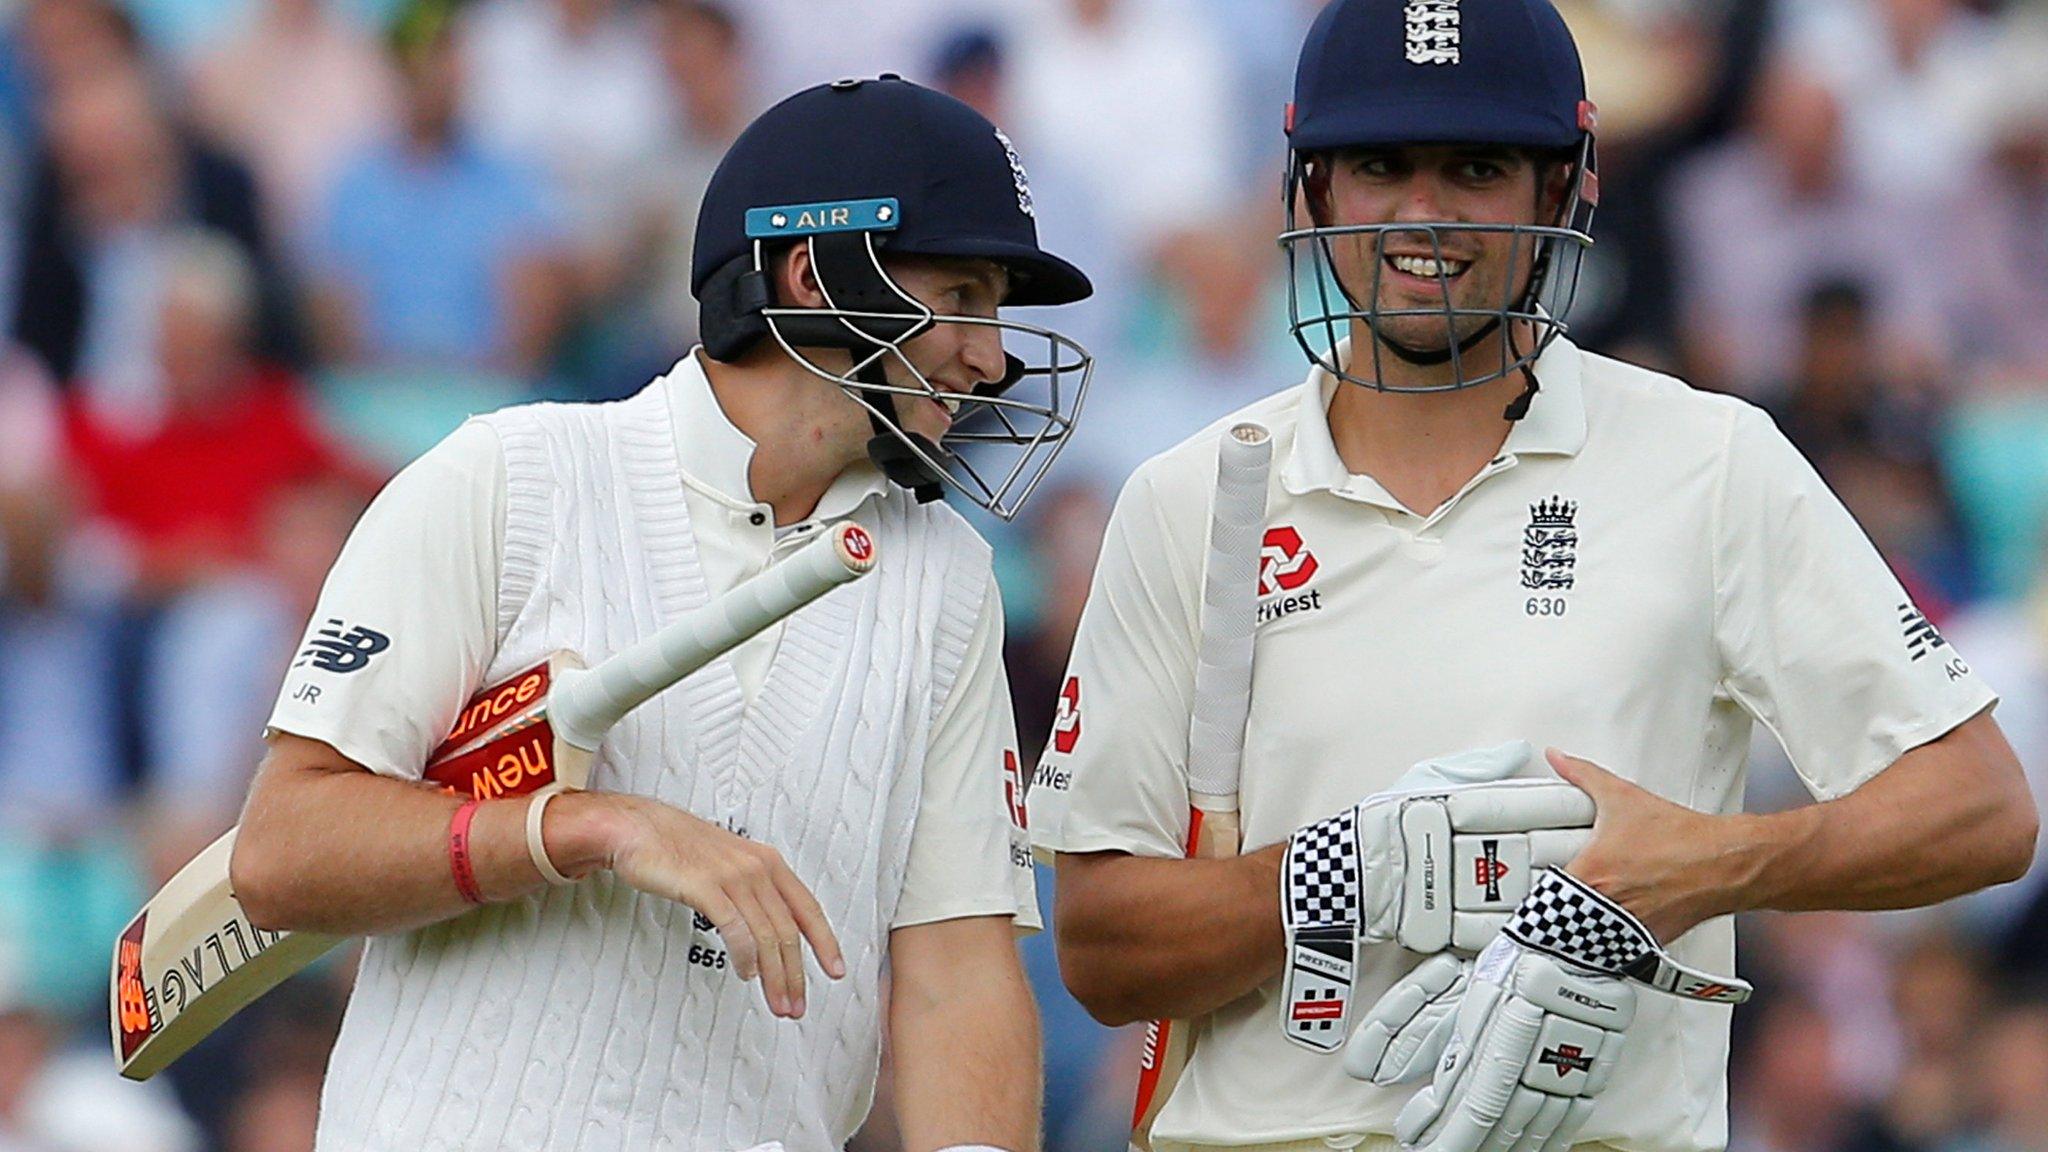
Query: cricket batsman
x=690, y=954
x=1480, y=542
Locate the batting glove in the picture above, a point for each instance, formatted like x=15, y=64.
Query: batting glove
x=1524, y=1038
x=1406, y=1031
x=1534, y=1041
x=1429, y=869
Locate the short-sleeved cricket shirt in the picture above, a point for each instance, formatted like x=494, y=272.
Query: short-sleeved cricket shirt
x=420, y=571
x=1642, y=573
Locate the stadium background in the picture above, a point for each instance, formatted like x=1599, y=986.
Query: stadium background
x=232, y=306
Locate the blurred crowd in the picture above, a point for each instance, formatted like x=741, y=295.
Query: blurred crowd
x=256, y=254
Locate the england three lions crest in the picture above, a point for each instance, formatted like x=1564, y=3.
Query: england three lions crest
x=1550, y=544
x=1434, y=31
x=1018, y=176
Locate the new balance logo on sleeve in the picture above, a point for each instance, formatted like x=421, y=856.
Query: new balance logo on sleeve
x=1921, y=637
x=335, y=650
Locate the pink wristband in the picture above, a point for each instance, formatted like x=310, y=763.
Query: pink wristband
x=459, y=862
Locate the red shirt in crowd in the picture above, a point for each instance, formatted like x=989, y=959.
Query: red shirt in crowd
x=192, y=493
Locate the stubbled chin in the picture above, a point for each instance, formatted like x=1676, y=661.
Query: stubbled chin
x=1418, y=331
x=929, y=429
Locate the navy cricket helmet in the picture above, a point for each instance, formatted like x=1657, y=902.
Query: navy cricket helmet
x=1386, y=73
x=861, y=171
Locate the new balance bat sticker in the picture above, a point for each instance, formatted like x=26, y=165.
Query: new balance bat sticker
x=191, y=958
x=1221, y=707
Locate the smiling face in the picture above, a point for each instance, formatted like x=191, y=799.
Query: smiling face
x=1441, y=184
x=906, y=346
x=952, y=357
x=949, y=357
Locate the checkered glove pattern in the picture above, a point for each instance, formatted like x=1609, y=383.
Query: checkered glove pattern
x=1322, y=873
x=1321, y=883
x=1444, y=868
x=1435, y=863
x=1567, y=918
x=1525, y=1037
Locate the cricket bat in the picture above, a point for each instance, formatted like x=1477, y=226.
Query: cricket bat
x=191, y=958
x=1222, y=705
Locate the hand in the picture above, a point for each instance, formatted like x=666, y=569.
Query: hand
x=1416, y=1022
x=760, y=908
x=1525, y=1036
x=1532, y=1044
x=1451, y=847
x=1406, y=1031
x=1655, y=858
x=1431, y=868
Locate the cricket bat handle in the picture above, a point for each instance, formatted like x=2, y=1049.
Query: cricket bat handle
x=585, y=704
x=1230, y=604
x=1217, y=719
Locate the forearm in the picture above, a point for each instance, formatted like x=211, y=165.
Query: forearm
x=1143, y=938
x=331, y=847
x=964, y=1031
x=1949, y=818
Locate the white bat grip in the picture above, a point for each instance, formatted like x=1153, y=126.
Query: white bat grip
x=1230, y=604
x=584, y=705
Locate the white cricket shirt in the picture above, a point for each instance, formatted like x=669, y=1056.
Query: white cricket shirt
x=422, y=569
x=1642, y=574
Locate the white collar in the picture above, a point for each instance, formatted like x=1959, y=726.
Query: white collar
x=715, y=454
x=1555, y=424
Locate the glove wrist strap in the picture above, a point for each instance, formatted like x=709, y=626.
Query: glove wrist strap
x=1567, y=918
x=1319, y=906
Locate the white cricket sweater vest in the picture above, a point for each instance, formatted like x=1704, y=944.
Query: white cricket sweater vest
x=594, y=1017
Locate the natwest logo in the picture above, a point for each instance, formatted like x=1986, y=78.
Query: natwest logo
x=1285, y=563
x=1014, y=789
x=858, y=543
x=1066, y=722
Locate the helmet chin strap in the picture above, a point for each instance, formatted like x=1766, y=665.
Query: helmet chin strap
x=1516, y=409
x=891, y=447
x=1519, y=406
